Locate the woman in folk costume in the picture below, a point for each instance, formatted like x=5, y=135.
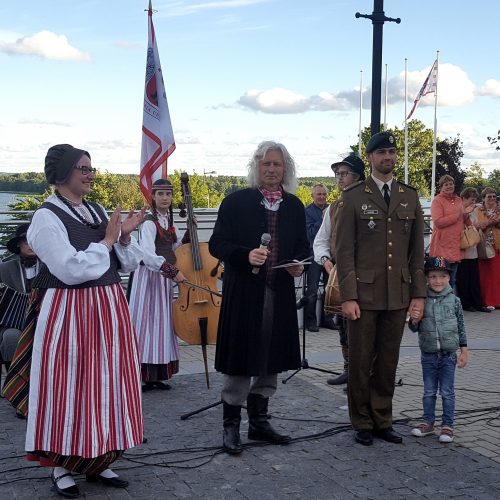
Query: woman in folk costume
x=152, y=290
x=84, y=400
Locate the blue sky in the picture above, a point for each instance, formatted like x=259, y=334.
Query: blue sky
x=237, y=72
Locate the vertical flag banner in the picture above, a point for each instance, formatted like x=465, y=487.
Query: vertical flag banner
x=157, y=135
x=429, y=86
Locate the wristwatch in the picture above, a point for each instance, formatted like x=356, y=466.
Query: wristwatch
x=324, y=259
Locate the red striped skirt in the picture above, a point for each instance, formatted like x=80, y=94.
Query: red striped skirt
x=85, y=396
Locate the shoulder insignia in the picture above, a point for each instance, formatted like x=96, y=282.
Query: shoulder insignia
x=368, y=190
x=401, y=190
x=340, y=204
x=353, y=185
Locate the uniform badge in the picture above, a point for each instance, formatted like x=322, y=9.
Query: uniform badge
x=341, y=204
x=401, y=190
x=404, y=205
x=372, y=224
x=364, y=206
x=368, y=190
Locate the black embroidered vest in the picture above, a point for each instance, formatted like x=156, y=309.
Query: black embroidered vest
x=80, y=236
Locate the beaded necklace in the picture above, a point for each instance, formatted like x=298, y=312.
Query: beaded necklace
x=93, y=225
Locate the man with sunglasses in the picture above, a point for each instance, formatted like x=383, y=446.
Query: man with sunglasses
x=348, y=171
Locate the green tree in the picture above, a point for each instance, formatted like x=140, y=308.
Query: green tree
x=448, y=158
x=419, y=153
x=494, y=180
x=495, y=141
x=475, y=177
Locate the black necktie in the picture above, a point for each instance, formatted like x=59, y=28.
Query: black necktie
x=387, y=197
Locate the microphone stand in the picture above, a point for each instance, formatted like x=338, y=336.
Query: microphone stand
x=301, y=304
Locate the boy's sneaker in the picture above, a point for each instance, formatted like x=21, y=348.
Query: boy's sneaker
x=424, y=429
x=446, y=435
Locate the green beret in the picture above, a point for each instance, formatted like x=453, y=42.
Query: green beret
x=60, y=161
x=380, y=141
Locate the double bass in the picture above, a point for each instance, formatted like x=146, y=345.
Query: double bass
x=197, y=308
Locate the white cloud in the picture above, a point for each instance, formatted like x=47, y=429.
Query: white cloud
x=185, y=8
x=275, y=100
x=454, y=86
x=455, y=89
x=46, y=45
x=490, y=87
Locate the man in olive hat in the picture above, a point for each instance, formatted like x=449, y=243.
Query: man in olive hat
x=15, y=274
x=347, y=171
x=380, y=256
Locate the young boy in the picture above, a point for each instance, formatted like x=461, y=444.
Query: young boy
x=441, y=333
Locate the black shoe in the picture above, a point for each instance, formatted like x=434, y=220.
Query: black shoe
x=70, y=491
x=148, y=386
x=312, y=328
x=389, y=435
x=115, y=482
x=484, y=310
x=341, y=379
x=329, y=324
x=231, y=442
x=162, y=385
x=259, y=428
x=364, y=437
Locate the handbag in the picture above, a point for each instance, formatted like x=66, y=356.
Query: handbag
x=485, y=249
x=469, y=237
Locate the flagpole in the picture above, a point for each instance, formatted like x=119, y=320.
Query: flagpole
x=385, y=99
x=360, y=138
x=406, y=121
x=434, y=149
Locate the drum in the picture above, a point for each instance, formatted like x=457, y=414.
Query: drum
x=333, y=303
x=12, y=307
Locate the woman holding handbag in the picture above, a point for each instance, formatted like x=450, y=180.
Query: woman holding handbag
x=448, y=222
x=468, y=284
x=488, y=216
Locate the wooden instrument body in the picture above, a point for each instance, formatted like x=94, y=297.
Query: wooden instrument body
x=333, y=302
x=193, y=307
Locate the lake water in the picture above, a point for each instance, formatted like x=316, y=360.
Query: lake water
x=5, y=199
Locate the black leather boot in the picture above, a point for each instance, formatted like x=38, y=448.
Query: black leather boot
x=231, y=441
x=259, y=428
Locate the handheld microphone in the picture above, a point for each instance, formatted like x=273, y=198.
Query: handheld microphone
x=265, y=239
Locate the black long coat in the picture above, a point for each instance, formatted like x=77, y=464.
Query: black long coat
x=241, y=221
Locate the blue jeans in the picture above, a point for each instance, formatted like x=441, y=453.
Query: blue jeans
x=438, y=370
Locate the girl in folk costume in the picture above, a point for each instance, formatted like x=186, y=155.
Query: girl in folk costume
x=152, y=290
x=84, y=400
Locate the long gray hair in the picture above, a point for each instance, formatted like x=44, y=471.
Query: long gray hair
x=290, y=182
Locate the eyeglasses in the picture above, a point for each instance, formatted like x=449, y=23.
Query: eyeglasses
x=492, y=196
x=342, y=174
x=86, y=170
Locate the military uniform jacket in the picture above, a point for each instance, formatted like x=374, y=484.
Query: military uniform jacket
x=380, y=248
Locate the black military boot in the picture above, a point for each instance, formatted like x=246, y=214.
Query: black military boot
x=259, y=428
x=231, y=437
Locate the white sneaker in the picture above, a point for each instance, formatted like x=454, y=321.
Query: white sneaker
x=446, y=435
x=424, y=429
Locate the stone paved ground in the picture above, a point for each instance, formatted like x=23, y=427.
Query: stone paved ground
x=322, y=462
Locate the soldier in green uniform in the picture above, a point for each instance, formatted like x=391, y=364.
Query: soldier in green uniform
x=380, y=258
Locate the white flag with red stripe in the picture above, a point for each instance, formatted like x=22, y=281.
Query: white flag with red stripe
x=429, y=86
x=157, y=135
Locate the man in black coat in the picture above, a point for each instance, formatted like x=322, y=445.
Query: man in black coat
x=258, y=332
